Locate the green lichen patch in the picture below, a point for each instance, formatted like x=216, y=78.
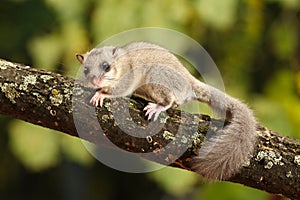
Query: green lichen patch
x=57, y=99
x=184, y=140
x=269, y=165
x=297, y=159
x=289, y=174
x=107, y=105
x=46, y=78
x=197, y=138
x=3, y=67
x=270, y=158
x=68, y=92
x=9, y=89
x=168, y=135
x=163, y=119
x=30, y=79
x=105, y=118
x=77, y=91
x=39, y=97
x=5, y=64
x=131, y=105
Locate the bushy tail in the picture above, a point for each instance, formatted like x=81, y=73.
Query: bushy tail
x=227, y=150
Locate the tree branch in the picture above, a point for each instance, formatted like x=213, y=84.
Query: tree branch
x=45, y=99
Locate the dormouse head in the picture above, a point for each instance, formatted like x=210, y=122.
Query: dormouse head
x=98, y=65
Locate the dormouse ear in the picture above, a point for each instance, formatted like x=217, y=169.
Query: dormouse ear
x=114, y=51
x=80, y=57
x=117, y=51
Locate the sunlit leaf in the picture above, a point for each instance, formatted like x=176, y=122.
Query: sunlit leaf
x=75, y=150
x=175, y=181
x=37, y=148
x=218, y=14
x=282, y=90
x=46, y=51
x=230, y=191
x=284, y=39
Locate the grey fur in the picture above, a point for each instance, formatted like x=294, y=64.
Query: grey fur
x=153, y=72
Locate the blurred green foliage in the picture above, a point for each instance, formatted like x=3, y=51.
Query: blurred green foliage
x=255, y=44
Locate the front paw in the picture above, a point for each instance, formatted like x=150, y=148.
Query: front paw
x=153, y=110
x=97, y=99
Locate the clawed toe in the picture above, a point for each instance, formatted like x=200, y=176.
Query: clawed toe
x=97, y=99
x=153, y=110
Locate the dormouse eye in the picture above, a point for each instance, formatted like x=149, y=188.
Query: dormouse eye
x=86, y=71
x=105, y=66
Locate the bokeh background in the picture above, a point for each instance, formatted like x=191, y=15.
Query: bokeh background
x=255, y=44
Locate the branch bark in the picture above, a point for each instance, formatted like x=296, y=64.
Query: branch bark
x=57, y=102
